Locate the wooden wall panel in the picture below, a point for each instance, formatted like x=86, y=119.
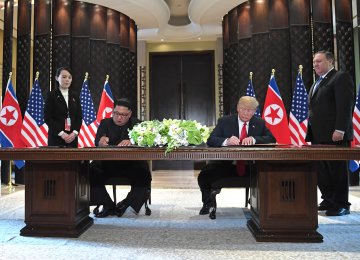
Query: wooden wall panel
x=233, y=26
x=80, y=44
x=98, y=52
x=23, y=53
x=300, y=38
x=113, y=27
x=61, y=45
x=322, y=25
x=42, y=43
x=345, y=37
x=260, y=41
x=244, y=45
x=280, y=48
x=124, y=31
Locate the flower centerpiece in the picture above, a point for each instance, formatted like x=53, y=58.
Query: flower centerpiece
x=171, y=133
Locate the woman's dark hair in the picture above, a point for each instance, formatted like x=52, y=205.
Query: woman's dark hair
x=57, y=74
x=124, y=102
x=59, y=70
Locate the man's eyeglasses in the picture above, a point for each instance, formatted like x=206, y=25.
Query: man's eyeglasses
x=115, y=113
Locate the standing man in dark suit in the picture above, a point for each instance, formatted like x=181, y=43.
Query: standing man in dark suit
x=62, y=112
x=114, y=131
x=331, y=105
x=228, y=132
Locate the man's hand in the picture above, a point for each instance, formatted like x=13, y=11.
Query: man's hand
x=124, y=143
x=233, y=141
x=104, y=141
x=337, y=136
x=247, y=141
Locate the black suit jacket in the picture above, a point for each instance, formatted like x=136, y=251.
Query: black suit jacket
x=115, y=133
x=228, y=126
x=331, y=108
x=55, y=113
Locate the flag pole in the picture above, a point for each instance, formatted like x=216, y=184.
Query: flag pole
x=300, y=69
x=86, y=75
x=273, y=73
x=10, y=186
x=250, y=76
x=107, y=78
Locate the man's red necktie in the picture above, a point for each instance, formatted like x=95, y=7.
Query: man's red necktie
x=240, y=165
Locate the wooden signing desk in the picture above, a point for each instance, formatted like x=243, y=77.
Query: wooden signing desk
x=283, y=188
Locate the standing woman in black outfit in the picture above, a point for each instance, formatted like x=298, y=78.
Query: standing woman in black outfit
x=63, y=112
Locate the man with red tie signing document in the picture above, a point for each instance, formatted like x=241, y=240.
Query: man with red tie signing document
x=242, y=128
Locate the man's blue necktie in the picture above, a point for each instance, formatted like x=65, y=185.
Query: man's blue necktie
x=317, y=84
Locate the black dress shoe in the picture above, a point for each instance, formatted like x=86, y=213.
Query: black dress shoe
x=121, y=208
x=337, y=212
x=325, y=205
x=107, y=211
x=205, y=209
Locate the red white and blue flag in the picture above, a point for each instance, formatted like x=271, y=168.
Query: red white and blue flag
x=250, y=92
x=89, y=125
x=354, y=165
x=10, y=122
x=298, y=120
x=34, y=130
x=274, y=114
x=106, y=103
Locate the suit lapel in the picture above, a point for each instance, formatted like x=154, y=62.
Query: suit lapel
x=252, y=127
x=322, y=83
x=235, y=124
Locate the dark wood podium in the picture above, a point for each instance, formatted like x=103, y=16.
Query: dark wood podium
x=284, y=202
x=56, y=198
x=283, y=188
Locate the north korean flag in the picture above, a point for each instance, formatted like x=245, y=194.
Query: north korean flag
x=11, y=122
x=274, y=114
x=106, y=103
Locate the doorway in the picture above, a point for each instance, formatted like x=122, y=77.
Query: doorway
x=182, y=86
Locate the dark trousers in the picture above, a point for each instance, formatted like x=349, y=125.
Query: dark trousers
x=212, y=172
x=136, y=171
x=333, y=180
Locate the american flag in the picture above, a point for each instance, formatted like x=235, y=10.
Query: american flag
x=299, y=113
x=354, y=165
x=34, y=131
x=89, y=126
x=250, y=92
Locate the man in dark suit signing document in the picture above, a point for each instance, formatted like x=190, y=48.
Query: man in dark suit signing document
x=238, y=129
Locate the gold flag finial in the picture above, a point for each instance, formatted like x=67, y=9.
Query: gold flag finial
x=107, y=78
x=250, y=76
x=86, y=75
x=10, y=74
x=300, y=69
x=37, y=75
x=273, y=72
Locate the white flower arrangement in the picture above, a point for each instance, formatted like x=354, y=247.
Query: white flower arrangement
x=171, y=133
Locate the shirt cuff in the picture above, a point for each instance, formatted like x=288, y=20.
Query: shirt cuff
x=224, y=143
x=61, y=133
x=339, y=131
x=76, y=132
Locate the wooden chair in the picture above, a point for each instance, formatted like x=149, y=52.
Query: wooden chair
x=114, y=181
x=229, y=182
